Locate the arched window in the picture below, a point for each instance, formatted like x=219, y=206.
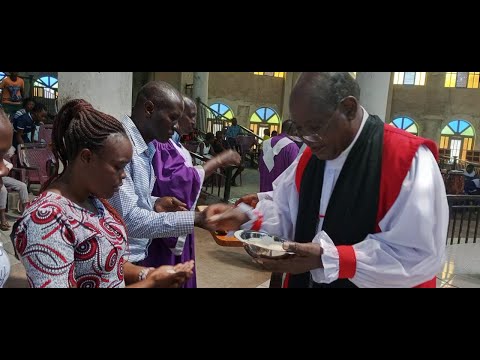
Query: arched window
x=223, y=109
x=406, y=124
x=214, y=124
x=46, y=87
x=264, y=118
x=458, y=137
x=409, y=78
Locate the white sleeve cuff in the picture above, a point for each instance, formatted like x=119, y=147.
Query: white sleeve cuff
x=330, y=260
x=251, y=213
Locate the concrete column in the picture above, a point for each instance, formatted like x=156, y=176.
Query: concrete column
x=287, y=90
x=376, y=93
x=295, y=76
x=290, y=81
x=109, y=92
x=200, y=86
x=431, y=127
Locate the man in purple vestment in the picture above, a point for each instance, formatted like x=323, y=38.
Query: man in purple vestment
x=278, y=153
x=177, y=177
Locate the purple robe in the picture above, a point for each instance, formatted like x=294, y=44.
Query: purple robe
x=174, y=177
x=282, y=161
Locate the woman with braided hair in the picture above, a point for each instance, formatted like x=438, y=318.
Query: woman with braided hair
x=69, y=236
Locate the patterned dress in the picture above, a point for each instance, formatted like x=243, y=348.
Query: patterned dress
x=4, y=266
x=64, y=245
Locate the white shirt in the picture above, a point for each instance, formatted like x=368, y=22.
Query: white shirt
x=409, y=251
x=189, y=163
x=8, y=164
x=472, y=174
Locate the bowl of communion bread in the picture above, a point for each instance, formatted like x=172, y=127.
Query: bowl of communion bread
x=259, y=244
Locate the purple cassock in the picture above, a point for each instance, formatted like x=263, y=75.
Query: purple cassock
x=278, y=153
x=175, y=176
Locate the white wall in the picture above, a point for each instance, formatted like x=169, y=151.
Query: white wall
x=109, y=92
x=375, y=92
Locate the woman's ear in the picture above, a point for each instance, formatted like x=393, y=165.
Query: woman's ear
x=86, y=156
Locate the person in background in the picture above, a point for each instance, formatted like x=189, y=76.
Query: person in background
x=26, y=125
x=470, y=173
x=217, y=146
x=219, y=143
x=266, y=135
x=178, y=179
x=231, y=135
x=278, y=153
x=472, y=182
x=13, y=88
x=27, y=107
x=10, y=184
x=205, y=148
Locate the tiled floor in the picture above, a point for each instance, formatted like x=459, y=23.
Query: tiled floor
x=219, y=267
x=462, y=268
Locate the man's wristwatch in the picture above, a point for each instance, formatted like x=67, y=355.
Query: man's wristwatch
x=143, y=274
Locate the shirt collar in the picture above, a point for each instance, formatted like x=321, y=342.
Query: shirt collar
x=139, y=145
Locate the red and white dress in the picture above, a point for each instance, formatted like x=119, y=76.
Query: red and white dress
x=64, y=245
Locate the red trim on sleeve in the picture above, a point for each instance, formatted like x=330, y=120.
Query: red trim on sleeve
x=257, y=225
x=286, y=281
x=302, y=165
x=347, y=262
x=431, y=284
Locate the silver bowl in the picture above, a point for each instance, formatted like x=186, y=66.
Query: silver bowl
x=255, y=251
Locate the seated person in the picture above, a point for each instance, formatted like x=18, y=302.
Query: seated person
x=28, y=105
x=9, y=183
x=26, y=125
x=220, y=144
x=469, y=172
x=205, y=148
x=472, y=186
x=191, y=137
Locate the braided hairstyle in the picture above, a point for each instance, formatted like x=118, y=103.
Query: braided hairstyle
x=78, y=126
